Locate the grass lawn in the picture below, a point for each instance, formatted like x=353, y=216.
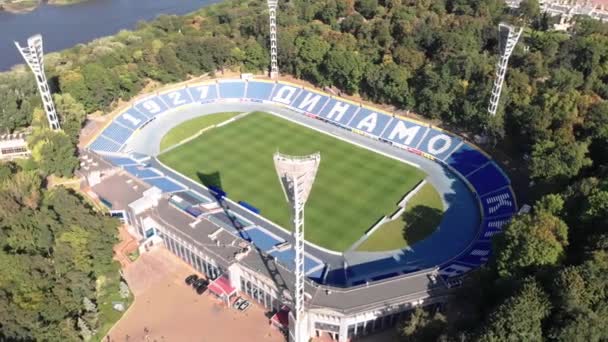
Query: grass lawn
x=108, y=292
x=353, y=189
x=191, y=127
x=421, y=217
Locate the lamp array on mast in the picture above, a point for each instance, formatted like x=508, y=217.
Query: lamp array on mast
x=34, y=57
x=296, y=175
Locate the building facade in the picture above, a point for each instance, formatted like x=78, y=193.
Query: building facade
x=343, y=314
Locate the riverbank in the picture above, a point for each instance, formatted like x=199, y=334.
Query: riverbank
x=25, y=6
x=19, y=6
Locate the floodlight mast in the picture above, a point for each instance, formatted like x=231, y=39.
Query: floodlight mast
x=296, y=175
x=274, y=65
x=34, y=57
x=501, y=68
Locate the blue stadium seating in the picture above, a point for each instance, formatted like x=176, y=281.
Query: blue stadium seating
x=487, y=179
x=259, y=90
x=151, y=106
x=335, y=277
x=131, y=119
x=104, y=144
x=439, y=144
x=467, y=159
x=309, y=101
x=492, y=227
x=477, y=255
x=499, y=203
x=261, y=239
x=317, y=275
x=117, y=133
x=372, y=267
x=310, y=263
x=165, y=184
x=454, y=270
x=337, y=111
x=285, y=257
x=176, y=98
x=142, y=172
x=120, y=161
x=370, y=122
x=398, y=129
x=203, y=93
x=232, y=90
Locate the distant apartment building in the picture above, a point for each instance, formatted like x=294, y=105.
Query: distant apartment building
x=597, y=9
x=13, y=146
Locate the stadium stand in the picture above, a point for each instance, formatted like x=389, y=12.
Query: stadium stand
x=142, y=172
x=102, y=144
x=231, y=89
x=499, y=204
x=404, y=133
x=176, y=98
x=131, y=119
x=339, y=113
x=151, y=106
x=203, y=93
x=117, y=133
x=438, y=144
x=120, y=161
x=369, y=122
x=262, y=240
x=466, y=159
x=261, y=91
x=488, y=181
x=165, y=184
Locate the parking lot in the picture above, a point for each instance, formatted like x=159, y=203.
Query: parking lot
x=166, y=309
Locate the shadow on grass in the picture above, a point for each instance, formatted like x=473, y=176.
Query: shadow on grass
x=210, y=179
x=420, y=222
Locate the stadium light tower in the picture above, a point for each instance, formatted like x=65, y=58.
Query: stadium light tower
x=274, y=65
x=507, y=39
x=297, y=174
x=33, y=55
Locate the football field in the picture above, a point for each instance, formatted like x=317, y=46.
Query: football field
x=353, y=189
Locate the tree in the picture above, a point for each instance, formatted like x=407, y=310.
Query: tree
x=532, y=240
x=552, y=160
x=519, y=318
x=389, y=83
x=256, y=58
x=421, y=325
x=311, y=51
x=71, y=115
x=54, y=152
x=345, y=68
x=367, y=8
x=529, y=9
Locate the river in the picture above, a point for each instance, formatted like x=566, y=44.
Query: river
x=65, y=26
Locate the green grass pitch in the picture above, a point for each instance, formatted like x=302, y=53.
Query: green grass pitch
x=191, y=127
x=354, y=186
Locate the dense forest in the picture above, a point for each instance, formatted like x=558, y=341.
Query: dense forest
x=548, y=278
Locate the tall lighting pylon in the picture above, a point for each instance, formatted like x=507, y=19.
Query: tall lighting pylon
x=506, y=46
x=297, y=174
x=34, y=57
x=274, y=65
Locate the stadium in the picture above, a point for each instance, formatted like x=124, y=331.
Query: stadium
x=213, y=199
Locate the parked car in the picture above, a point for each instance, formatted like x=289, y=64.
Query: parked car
x=201, y=288
x=244, y=306
x=238, y=303
x=199, y=282
x=191, y=279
